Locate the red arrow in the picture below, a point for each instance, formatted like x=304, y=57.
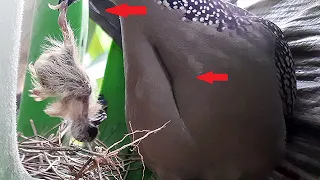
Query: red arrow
x=210, y=77
x=124, y=10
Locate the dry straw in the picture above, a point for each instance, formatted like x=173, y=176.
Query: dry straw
x=48, y=158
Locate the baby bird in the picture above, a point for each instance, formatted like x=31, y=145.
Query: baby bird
x=58, y=73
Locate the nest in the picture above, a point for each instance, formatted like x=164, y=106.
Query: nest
x=48, y=158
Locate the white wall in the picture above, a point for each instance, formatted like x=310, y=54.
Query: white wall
x=25, y=41
x=10, y=28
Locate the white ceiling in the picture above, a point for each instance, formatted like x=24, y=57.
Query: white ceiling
x=246, y=3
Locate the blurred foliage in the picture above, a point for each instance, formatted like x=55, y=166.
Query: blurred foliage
x=99, y=41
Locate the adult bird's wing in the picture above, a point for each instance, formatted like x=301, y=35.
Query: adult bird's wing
x=299, y=19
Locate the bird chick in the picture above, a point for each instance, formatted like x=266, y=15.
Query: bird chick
x=58, y=73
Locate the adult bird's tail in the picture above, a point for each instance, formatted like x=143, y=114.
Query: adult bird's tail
x=303, y=152
x=299, y=20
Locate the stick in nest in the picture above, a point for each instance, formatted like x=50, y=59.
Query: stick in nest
x=58, y=73
x=60, y=162
x=109, y=155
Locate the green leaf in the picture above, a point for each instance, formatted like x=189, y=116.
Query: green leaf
x=100, y=42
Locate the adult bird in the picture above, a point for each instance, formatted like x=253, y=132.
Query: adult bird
x=222, y=131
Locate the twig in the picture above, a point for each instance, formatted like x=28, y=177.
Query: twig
x=35, y=133
x=73, y=163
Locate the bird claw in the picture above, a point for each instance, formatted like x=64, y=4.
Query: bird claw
x=62, y=20
x=51, y=113
x=37, y=95
x=56, y=7
x=35, y=92
x=36, y=98
x=69, y=2
x=61, y=4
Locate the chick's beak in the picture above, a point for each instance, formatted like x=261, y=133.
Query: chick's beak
x=93, y=132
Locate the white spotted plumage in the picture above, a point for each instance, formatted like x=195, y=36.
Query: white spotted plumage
x=225, y=16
